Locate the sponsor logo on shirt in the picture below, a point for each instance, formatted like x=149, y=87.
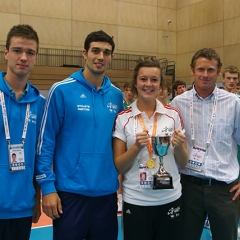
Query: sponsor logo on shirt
x=81, y=107
x=174, y=212
x=112, y=107
x=32, y=118
x=167, y=131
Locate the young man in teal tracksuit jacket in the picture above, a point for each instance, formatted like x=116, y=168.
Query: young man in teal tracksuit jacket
x=21, y=111
x=76, y=140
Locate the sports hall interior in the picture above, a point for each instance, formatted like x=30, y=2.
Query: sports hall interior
x=169, y=30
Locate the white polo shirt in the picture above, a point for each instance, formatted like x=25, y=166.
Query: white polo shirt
x=126, y=127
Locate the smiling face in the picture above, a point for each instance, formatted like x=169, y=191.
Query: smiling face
x=147, y=83
x=205, y=73
x=21, y=57
x=97, y=58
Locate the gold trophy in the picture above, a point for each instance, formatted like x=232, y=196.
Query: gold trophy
x=161, y=179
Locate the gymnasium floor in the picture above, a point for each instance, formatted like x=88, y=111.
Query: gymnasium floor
x=43, y=230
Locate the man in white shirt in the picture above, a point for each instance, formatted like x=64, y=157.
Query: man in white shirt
x=212, y=127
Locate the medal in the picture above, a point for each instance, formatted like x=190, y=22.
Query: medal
x=150, y=163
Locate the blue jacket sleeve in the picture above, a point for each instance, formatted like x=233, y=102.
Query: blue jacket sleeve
x=52, y=119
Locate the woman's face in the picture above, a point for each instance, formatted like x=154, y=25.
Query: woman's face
x=148, y=82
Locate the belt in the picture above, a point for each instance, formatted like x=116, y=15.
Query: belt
x=202, y=181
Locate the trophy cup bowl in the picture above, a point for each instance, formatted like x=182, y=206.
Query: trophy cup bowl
x=161, y=179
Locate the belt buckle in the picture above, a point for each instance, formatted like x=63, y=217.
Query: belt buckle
x=209, y=183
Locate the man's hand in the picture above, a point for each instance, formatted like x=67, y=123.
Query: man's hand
x=237, y=188
x=51, y=205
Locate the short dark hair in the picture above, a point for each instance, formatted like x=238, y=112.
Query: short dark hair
x=166, y=85
x=149, y=63
x=98, y=36
x=208, y=53
x=178, y=83
x=231, y=69
x=23, y=31
x=126, y=85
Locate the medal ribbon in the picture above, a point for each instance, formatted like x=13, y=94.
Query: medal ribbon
x=150, y=149
x=214, y=110
x=5, y=119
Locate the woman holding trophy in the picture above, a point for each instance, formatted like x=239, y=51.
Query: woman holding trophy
x=149, y=138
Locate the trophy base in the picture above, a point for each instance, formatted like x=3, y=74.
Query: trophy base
x=162, y=182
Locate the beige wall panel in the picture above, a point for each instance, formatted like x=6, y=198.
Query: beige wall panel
x=171, y=57
x=137, y=15
x=182, y=3
x=183, y=65
x=10, y=6
x=137, y=53
x=161, y=55
x=46, y=8
x=196, y=1
x=231, y=8
x=167, y=4
x=137, y=39
x=7, y=22
x=206, y=12
x=187, y=80
x=145, y=2
x=231, y=55
x=207, y=36
x=183, y=42
x=164, y=15
x=231, y=31
x=104, y=11
x=166, y=42
x=183, y=19
x=219, y=50
x=80, y=30
x=51, y=32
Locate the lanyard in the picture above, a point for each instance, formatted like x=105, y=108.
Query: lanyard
x=211, y=121
x=5, y=120
x=150, y=149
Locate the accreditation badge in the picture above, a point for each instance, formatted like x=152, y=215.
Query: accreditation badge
x=196, y=158
x=145, y=177
x=16, y=157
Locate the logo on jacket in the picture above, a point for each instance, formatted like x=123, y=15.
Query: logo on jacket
x=112, y=107
x=83, y=107
x=83, y=96
x=167, y=131
x=32, y=118
x=174, y=212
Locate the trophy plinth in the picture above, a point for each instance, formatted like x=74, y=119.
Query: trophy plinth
x=161, y=179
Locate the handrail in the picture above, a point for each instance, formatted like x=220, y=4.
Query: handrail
x=64, y=57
